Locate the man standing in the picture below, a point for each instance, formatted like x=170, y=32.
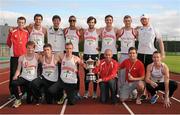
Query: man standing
x=108, y=36
x=17, y=40
x=127, y=36
x=56, y=35
x=72, y=34
x=147, y=36
x=91, y=38
x=38, y=34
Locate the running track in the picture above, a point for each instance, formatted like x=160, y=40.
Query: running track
x=86, y=106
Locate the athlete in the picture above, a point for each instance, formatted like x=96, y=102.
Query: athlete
x=17, y=40
x=27, y=63
x=157, y=78
x=91, y=38
x=108, y=37
x=73, y=35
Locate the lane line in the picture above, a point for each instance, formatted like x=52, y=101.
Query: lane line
x=2, y=106
x=126, y=106
x=171, y=97
x=64, y=107
x=4, y=82
x=4, y=72
x=175, y=80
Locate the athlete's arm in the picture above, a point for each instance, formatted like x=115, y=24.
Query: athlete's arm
x=148, y=77
x=166, y=84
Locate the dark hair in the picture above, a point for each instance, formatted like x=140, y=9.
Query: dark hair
x=107, y=16
x=56, y=17
x=91, y=18
x=127, y=16
x=156, y=52
x=38, y=15
x=21, y=18
x=30, y=43
x=72, y=16
x=47, y=45
x=68, y=43
x=132, y=48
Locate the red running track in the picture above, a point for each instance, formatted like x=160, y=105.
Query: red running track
x=86, y=106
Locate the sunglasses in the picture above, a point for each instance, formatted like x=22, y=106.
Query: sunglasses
x=72, y=20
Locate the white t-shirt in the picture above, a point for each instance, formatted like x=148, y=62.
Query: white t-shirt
x=109, y=41
x=91, y=42
x=146, y=38
x=56, y=39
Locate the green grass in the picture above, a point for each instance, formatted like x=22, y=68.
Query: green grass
x=173, y=63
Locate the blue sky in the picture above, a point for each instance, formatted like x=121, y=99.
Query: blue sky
x=163, y=13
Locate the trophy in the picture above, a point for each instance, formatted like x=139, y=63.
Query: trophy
x=90, y=65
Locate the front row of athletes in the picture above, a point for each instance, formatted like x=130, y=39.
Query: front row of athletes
x=157, y=76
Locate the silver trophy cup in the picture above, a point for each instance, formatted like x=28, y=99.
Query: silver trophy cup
x=90, y=65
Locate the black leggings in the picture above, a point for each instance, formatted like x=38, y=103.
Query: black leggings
x=13, y=67
x=60, y=86
x=41, y=85
x=172, y=87
x=23, y=83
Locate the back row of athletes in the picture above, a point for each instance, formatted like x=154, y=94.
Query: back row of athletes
x=57, y=37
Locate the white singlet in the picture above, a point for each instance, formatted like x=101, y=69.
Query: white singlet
x=157, y=74
x=127, y=40
x=50, y=71
x=72, y=36
x=69, y=70
x=91, y=42
x=109, y=41
x=38, y=37
x=29, y=68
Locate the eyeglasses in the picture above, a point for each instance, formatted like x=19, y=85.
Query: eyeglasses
x=72, y=20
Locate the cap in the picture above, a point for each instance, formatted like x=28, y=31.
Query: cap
x=144, y=16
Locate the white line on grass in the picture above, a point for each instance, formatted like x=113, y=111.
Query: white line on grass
x=171, y=97
x=4, y=82
x=64, y=107
x=2, y=106
x=126, y=106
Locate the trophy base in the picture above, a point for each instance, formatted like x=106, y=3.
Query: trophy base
x=91, y=77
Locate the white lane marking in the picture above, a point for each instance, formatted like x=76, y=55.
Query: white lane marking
x=126, y=106
x=4, y=82
x=171, y=97
x=2, y=106
x=64, y=107
x=4, y=72
x=176, y=81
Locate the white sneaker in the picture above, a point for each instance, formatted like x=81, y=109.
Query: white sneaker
x=17, y=103
x=86, y=94
x=61, y=101
x=94, y=95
